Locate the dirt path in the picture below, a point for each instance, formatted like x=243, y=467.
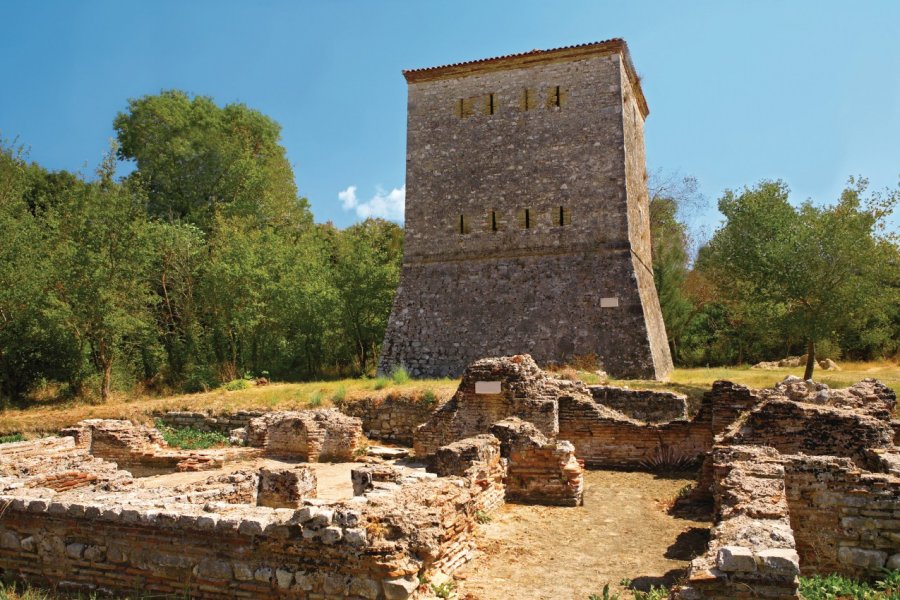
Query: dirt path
x=547, y=553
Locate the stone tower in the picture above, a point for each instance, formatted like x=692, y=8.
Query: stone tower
x=527, y=216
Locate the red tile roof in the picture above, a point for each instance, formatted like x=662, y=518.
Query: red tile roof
x=525, y=59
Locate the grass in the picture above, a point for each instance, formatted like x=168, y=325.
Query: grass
x=13, y=437
x=189, y=438
x=837, y=587
x=50, y=414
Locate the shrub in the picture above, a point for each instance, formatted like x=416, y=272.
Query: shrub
x=237, y=384
x=834, y=587
x=339, y=395
x=482, y=517
x=315, y=399
x=400, y=375
x=445, y=590
x=605, y=595
x=381, y=383
x=188, y=438
x=429, y=398
x=12, y=437
x=655, y=593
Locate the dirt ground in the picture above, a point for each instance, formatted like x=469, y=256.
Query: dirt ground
x=622, y=531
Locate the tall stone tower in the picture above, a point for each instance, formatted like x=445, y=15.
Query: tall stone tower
x=527, y=216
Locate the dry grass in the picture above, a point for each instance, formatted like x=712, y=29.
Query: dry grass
x=51, y=415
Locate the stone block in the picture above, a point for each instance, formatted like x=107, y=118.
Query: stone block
x=779, y=560
x=871, y=560
x=735, y=558
x=400, y=588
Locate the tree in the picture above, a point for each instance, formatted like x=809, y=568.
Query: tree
x=826, y=268
x=199, y=159
x=366, y=259
x=671, y=198
x=99, y=262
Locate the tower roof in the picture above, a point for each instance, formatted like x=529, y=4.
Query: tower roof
x=534, y=57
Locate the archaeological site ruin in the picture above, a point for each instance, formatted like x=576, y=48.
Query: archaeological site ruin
x=800, y=478
x=527, y=243
x=527, y=216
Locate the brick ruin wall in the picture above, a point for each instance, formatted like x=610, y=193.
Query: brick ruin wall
x=322, y=434
x=556, y=291
x=212, y=539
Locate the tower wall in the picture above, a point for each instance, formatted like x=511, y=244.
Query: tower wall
x=562, y=140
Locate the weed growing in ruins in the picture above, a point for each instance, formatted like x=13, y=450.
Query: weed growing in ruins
x=188, y=438
x=669, y=460
x=833, y=587
x=13, y=437
x=315, y=399
x=482, y=517
x=339, y=395
x=400, y=375
x=655, y=593
x=605, y=595
x=445, y=590
x=429, y=398
x=381, y=383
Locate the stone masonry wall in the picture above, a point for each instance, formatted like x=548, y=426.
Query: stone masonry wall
x=483, y=147
x=650, y=406
x=844, y=519
x=391, y=419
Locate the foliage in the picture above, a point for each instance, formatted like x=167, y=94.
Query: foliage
x=605, y=595
x=315, y=399
x=381, y=383
x=839, y=587
x=429, y=397
x=482, y=517
x=189, y=438
x=400, y=375
x=13, y=437
x=444, y=590
x=820, y=270
x=237, y=384
x=654, y=593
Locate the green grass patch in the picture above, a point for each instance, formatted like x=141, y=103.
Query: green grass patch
x=400, y=375
x=381, y=383
x=8, y=439
x=838, y=587
x=237, y=384
x=188, y=438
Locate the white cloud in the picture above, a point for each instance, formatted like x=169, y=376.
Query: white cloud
x=385, y=205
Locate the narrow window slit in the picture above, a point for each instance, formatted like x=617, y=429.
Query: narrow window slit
x=527, y=219
x=493, y=220
x=491, y=103
x=562, y=218
x=462, y=224
x=557, y=97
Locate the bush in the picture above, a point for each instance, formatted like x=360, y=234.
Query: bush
x=838, y=587
x=12, y=437
x=400, y=375
x=606, y=595
x=315, y=399
x=237, y=384
x=381, y=383
x=429, y=397
x=339, y=395
x=188, y=438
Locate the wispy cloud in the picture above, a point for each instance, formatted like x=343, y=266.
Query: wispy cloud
x=385, y=205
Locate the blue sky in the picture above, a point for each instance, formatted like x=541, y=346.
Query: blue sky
x=808, y=92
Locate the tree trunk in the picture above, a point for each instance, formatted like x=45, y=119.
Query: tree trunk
x=810, y=359
x=107, y=378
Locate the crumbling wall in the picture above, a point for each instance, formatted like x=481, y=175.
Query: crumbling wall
x=491, y=390
x=133, y=446
x=603, y=437
x=478, y=460
x=751, y=552
x=845, y=519
x=286, y=487
x=222, y=423
x=649, y=406
x=391, y=419
x=323, y=434
x=795, y=427
x=539, y=470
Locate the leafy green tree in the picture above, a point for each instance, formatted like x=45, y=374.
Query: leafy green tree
x=826, y=268
x=199, y=159
x=99, y=262
x=366, y=274
x=670, y=198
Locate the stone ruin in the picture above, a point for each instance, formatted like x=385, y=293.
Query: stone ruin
x=801, y=478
